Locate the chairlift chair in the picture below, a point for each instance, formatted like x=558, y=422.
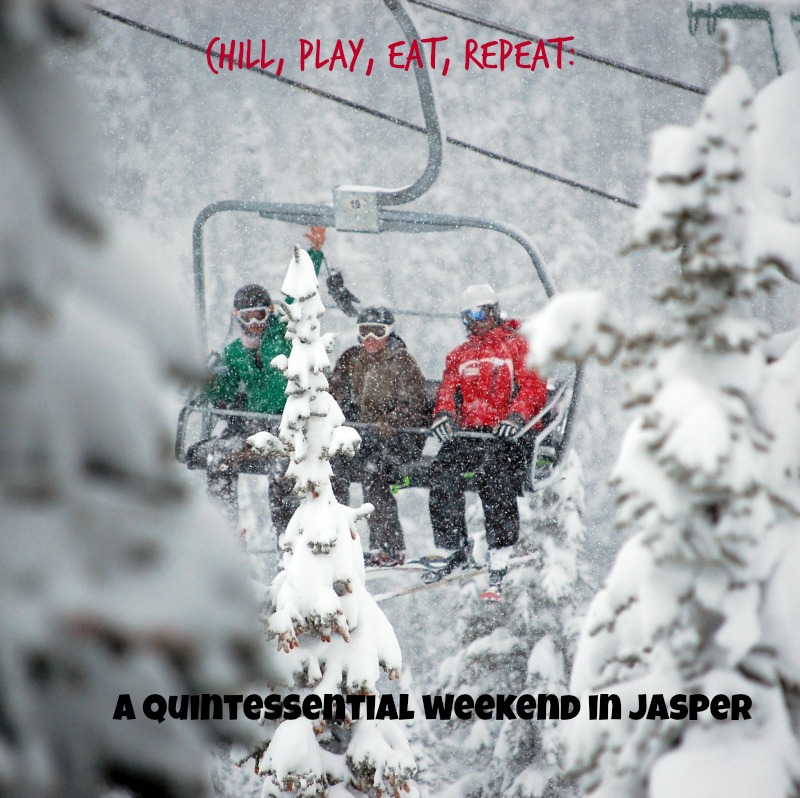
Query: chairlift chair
x=359, y=209
x=772, y=14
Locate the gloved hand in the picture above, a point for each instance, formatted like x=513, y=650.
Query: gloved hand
x=341, y=295
x=316, y=236
x=215, y=365
x=509, y=427
x=442, y=428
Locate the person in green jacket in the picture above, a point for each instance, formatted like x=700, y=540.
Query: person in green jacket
x=245, y=380
x=244, y=366
x=241, y=366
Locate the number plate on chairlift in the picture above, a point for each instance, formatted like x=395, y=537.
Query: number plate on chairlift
x=355, y=209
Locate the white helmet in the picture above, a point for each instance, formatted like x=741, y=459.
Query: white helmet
x=475, y=296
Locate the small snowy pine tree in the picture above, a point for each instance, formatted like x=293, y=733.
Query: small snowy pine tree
x=332, y=637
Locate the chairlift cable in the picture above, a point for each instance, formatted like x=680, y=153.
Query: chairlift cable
x=396, y=120
x=521, y=34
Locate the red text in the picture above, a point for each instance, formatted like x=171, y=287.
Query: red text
x=241, y=57
x=398, y=59
x=338, y=57
x=499, y=53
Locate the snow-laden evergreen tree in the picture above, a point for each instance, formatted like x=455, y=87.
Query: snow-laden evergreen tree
x=116, y=582
x=523, y=645
x=706, y=484
x=778, y=179
x=332, y=637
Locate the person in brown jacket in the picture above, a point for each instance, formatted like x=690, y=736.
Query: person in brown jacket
x=378, y=381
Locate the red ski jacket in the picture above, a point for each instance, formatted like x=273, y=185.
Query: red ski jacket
x=485, y=380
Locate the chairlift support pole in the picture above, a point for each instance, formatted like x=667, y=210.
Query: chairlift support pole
x=357, y=208
x=400, y=196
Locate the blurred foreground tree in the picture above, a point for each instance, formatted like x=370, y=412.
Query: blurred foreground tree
x=116, y=583
x=700, y=598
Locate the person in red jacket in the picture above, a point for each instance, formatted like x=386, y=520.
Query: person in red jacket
x=486, y=387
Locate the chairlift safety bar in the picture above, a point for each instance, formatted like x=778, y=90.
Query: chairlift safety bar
x=214, y=412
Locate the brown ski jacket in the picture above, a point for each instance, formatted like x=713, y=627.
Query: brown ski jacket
x=386, y=388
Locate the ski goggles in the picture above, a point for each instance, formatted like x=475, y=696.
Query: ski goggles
x=252, y=315
x=379, y=331
x=472, y=315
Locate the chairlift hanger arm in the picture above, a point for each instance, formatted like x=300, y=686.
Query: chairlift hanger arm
x=423, y=222
x=357, y=207
x=399, y=196
x=318, y=215
x=776, y=18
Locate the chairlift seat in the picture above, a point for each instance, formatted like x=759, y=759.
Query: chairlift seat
x=542, y=453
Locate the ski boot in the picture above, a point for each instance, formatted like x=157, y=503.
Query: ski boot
x=438, y=567
x=499, y=560
x=384, y=559
x=494, y=593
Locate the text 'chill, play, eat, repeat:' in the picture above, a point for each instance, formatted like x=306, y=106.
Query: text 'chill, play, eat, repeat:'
x=351, y=55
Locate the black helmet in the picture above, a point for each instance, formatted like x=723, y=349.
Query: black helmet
x=251, y=296
x=375, y=315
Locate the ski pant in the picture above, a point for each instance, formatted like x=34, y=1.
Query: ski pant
x=497, y=465
x=376, y=467
x=385, y=531
x=227, y=457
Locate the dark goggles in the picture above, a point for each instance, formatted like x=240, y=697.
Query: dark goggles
x=251, y=315
x=473, y=315
x=378, y=331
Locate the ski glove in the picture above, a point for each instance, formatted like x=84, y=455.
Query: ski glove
x=215, y=365
x=316, y=236
x=509, y=427
x=442, y=428
x=341, y=295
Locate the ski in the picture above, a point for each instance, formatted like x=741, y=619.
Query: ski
x=459, y=576
x=433, y=563
x=382, y=570
x=435, y=566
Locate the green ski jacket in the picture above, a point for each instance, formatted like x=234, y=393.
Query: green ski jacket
x=264, y=387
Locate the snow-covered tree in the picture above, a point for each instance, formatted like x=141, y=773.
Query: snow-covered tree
x=524, y=645
x=117, y=583
x=705, y=483
x=332, y=637
x=778, y=179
